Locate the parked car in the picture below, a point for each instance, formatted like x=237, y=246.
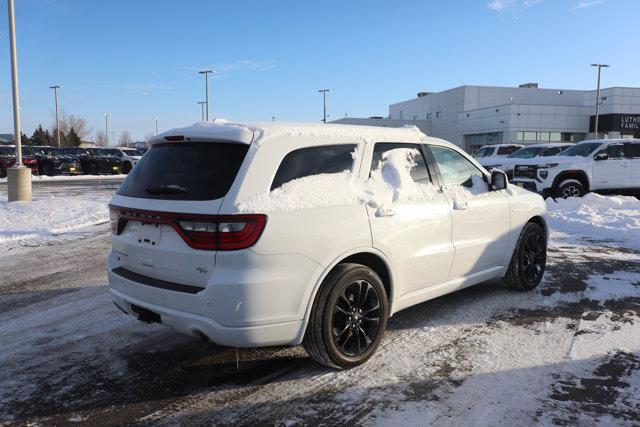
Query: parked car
x=128, y=157
x=8, y=159
x=190, y=249
x=490, y=153
x=604, y=166
x=52, y=161
x=506, y=164
x=95, y=161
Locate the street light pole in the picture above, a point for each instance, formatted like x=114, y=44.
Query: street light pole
x=600, y=67
x=18, y=176
x=324, y=104
x=206, y=91
x=202, y=109
x=55, y=92
x=106, y=126
x=156, y=120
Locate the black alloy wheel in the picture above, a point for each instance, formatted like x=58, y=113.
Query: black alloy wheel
x=570, y=188
x=529, y=259
x=533, y=259
x=348, y=317
x=356, y=318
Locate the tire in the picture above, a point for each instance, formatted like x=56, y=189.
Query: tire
x=570, y=188
x=529, y=259
x=47, y=170
x=338, y=313
x=126, y=168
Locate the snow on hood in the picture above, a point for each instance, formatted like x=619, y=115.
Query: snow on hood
x=390, y=182
x=260, y=132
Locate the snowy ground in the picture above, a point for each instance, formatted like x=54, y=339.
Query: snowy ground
x=567, y=353
x=56, y=214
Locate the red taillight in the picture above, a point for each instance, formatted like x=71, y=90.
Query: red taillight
x=207, y=232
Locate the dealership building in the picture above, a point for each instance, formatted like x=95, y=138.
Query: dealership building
x=473, y=116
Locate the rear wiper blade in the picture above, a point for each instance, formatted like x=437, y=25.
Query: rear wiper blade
x=165, y=189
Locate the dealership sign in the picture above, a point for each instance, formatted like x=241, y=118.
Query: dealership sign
x=624, y=123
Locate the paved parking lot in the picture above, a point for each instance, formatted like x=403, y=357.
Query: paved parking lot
x=567, y=353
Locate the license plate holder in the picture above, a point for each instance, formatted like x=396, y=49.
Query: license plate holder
x=148, y=233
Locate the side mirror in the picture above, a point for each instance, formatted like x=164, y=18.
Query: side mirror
x=601, y=156
x=498, y=180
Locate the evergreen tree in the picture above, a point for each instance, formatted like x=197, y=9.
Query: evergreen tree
x=40, y=137
x=24, y=139
x=72, y=139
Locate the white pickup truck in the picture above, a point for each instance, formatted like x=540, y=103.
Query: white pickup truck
x=604, y=166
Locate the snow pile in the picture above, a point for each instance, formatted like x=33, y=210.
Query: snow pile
x=49, y=218
x=596, y=217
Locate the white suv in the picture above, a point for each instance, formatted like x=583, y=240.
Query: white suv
x=490, y=153
x=604, y=166
x=287, y=234
x=506, y=164
x=128, y=157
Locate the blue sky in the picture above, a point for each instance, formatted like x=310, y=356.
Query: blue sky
x=139, y=59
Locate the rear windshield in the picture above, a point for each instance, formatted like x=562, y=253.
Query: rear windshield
x=185, y=171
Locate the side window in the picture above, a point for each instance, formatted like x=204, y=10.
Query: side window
x=505, y=151
x=454, y=167
x=550, y=152
x=615, y=151
x=314, y=161
x=632, y=149
x=419, y=172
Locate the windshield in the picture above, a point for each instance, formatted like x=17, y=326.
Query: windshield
x=526, y=153
x=582, y=149
x=483, y=152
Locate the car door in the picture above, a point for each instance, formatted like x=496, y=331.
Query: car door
x=614, y=170
x=414, y=233
x=632, y=150
x=480, y=218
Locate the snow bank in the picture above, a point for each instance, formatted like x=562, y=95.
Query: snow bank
x=596, y=217
x=49, y=218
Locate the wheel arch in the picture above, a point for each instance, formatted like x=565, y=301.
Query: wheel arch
x=542, y=222
x=369, y=257
x=578, y=175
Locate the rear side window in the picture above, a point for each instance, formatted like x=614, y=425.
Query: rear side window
x=419, y=173
x=314, y=161
x=185, y=171
x=505, y=151
x=551, y=151
x=632, y=149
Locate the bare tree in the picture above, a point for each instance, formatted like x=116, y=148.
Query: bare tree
x=68, y=121
x=101, y=138
x=125, y=139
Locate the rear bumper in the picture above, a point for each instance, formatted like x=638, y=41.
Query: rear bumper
x=193, y=324
x=250, y=300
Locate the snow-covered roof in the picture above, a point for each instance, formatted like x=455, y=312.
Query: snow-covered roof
x=259, y=132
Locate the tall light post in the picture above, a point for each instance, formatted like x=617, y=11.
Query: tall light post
x=18, y=176
x=600, y=67
x=155, y=119
x=202, y=109
x=324, y=104
x=206, y=91
x=55, y=94
x=106, y=126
